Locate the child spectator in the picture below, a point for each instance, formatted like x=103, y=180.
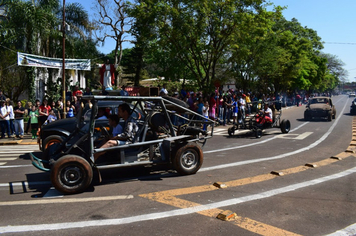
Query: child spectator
x=51, y=117
x=34, y=121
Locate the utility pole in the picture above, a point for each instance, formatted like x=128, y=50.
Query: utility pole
x=63, y=61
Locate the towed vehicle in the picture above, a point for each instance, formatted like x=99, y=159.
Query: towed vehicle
x=320, y=107
x=169, y=133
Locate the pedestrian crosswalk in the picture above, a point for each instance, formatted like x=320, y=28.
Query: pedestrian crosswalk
x=220, y=131
x=13, y=152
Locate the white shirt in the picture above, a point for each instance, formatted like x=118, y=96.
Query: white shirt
x=164, y=90
x=11, y=110
x=269, y=112
x=205, y=111
x=4, y=111
x=243, y=103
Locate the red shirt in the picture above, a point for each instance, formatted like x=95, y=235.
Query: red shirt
x=45, y=109
x=76, y=92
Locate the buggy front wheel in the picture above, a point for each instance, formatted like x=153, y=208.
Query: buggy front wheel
x=285, y=126
x=71, y=174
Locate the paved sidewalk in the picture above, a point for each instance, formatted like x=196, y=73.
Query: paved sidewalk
x=27, y=140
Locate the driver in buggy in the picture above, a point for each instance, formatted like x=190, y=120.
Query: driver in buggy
x=265, y=116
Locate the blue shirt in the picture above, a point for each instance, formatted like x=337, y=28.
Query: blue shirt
x=235, y=109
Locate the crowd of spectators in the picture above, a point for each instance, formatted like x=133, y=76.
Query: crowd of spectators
x=225, y=107
x=232, y=106
x=36, y=113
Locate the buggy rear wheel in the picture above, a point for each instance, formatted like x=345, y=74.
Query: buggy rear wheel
x=188, y=159
x=71, y=174
x=258, y=133
x=231, y=131
x=285, y=126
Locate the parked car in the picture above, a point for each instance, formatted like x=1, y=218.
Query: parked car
x=169, y=133
x=320, y=107
x=352, y=95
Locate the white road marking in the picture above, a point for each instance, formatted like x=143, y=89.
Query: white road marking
x=66, y=200
x=2, y=163
x=8, y=158
x=348, y=231
x=295, y=136
x=178, y=212
x=4, y=167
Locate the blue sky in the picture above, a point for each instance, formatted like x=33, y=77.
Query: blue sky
x=333, y=20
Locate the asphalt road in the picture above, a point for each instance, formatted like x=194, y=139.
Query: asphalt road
x=318, y=199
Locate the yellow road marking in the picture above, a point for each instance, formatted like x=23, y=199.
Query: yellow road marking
x=236, y=183
x=169, y=197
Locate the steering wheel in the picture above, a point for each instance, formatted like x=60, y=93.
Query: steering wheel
x=106, y=131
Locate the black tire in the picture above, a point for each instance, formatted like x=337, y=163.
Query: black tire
x=51, y=140
x=71, y=174
x=231, y=131
x=330, y=118
x=285, y=126
x=307, y=116
x=334, y=115
x=188, y=159
x=258, y=133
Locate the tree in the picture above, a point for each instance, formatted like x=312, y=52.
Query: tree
x=30, y=27
x=113, y=23
x=289, y=60
x=197, y=33
x=335, y=73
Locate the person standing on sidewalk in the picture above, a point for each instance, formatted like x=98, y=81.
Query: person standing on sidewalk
x=4, y=120
x=43, y=113
x=10, y=108
x=19, y=111
x=28, y=109
x=34, y=121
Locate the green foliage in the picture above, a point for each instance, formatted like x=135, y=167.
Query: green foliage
x=32, y=27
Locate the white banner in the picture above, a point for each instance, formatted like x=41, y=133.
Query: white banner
x=24, y=59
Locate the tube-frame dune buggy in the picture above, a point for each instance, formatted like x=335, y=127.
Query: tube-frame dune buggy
x=169, y=133
x=251, y=123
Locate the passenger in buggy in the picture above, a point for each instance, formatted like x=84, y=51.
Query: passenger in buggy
x=129, y=130
x=265, y=116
